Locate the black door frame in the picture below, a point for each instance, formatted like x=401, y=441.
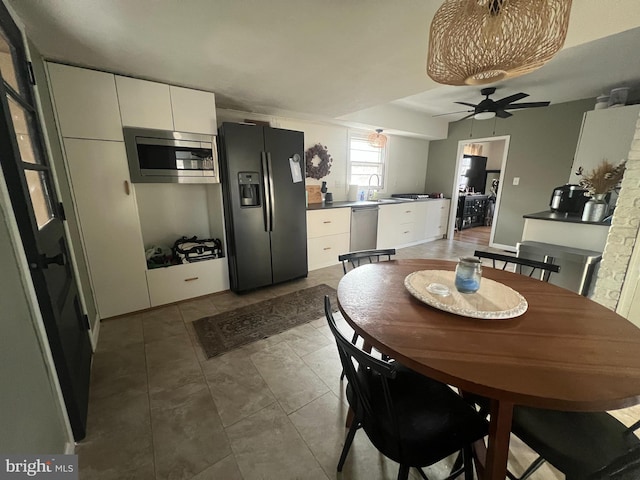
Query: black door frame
x=10, y=162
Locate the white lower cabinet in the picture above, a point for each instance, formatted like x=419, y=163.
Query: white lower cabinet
x=404, y=224
x=180, y=282
x=399, y=224
x=328, y=235
x=437, y=218
x=109, y=223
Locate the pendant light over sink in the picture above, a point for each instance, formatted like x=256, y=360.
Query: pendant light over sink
x=377, y=139
x=475, y=42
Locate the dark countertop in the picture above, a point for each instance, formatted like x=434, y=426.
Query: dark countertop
x=366, y=203
x=562, y=217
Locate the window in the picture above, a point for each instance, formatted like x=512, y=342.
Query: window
x=364, y=161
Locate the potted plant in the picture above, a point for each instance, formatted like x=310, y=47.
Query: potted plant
x=599, y=182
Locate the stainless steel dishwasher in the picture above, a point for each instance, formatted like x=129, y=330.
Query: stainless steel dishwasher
x=364, y=228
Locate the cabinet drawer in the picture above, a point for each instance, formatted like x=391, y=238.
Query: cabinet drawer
x=324, y=251
x=407, y=233
x=321, y=223
x=179, y=282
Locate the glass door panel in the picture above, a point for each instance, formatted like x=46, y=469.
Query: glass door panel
x=22, y=119
x=40, y=196
x=6, y=64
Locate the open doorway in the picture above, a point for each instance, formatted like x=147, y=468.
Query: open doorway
x=477, y=188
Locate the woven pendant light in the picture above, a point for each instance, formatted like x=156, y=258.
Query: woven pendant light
x=377, y=139
x=474, y=42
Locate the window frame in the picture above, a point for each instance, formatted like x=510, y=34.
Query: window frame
x=384, y=159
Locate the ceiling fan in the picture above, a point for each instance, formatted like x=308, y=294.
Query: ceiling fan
x=489, y=108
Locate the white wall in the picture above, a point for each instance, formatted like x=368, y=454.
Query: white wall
x=407, y=164
x=494, y=155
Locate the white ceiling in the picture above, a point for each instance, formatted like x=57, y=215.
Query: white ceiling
x=318, y=58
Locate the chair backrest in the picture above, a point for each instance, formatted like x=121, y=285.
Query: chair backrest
x=368, y=378
x=546, y=269
x=355, y=259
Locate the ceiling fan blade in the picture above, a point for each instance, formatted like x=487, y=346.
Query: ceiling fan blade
x=511, y=98
x=450, y=113
x=467, y=104
x=503, y=114
x=515, y=106
x=464, y=118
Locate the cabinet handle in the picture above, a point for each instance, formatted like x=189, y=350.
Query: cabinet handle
x=408, y=231
x=191, y=279
x=408, y=211
x=327, y=248
x=327, y=221
x=126, y=187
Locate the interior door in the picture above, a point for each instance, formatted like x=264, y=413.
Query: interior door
x=40, y=220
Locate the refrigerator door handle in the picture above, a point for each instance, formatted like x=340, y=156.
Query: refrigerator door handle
x=267, y=194
x=272, y=199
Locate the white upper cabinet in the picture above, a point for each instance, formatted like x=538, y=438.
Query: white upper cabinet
x=606, y=135
x=144, y=104
x=86, y=103
x=156, y=105
x=194, y=111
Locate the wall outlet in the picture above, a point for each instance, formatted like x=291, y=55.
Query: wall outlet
x=516, y=180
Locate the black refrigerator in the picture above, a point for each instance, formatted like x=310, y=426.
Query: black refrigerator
x=263, y=188
x=476, y=173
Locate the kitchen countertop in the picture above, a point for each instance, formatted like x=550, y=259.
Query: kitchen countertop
x=562, y=217
x=367, y=203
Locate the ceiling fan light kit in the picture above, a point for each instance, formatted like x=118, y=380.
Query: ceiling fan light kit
x=484, y=115
x=475, y=42
x=377, y=139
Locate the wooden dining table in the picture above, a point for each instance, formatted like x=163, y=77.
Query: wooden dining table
x=565, y=352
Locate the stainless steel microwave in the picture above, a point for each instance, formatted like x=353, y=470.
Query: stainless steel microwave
x=159, y=156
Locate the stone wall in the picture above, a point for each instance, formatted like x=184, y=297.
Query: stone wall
x=623, y=233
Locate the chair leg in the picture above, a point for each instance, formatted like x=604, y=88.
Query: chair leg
x=457, y=464
x=422, y=474
x=532, y=468
x=467, y=458
x=347, y=443
x=403, y=472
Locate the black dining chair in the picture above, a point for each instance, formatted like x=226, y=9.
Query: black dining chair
x=356, y=259
x=582, y=445
x=409, y=418
x=531, y=266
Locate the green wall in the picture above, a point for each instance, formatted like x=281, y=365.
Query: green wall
x=541, y=150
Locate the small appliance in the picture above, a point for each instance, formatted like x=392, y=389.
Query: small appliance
x=159, y=156
x=568, y=198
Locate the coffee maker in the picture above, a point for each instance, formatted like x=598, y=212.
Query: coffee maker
x=569, y=199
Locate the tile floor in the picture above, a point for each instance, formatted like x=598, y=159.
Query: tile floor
x=274, y=409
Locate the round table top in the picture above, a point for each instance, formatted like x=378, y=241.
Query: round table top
x=565, y=352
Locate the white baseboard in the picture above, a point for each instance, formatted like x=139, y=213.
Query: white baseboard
x=508, y=248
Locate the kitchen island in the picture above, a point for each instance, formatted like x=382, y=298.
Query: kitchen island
x=565, y=229
x=564, y=239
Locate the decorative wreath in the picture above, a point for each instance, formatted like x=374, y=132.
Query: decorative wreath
x=323, y=167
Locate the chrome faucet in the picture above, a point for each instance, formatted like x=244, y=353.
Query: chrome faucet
x=369, y=185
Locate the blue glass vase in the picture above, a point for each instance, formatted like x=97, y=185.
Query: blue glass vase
x=468, y=275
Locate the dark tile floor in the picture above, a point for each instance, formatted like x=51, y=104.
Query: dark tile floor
x=274, y=409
